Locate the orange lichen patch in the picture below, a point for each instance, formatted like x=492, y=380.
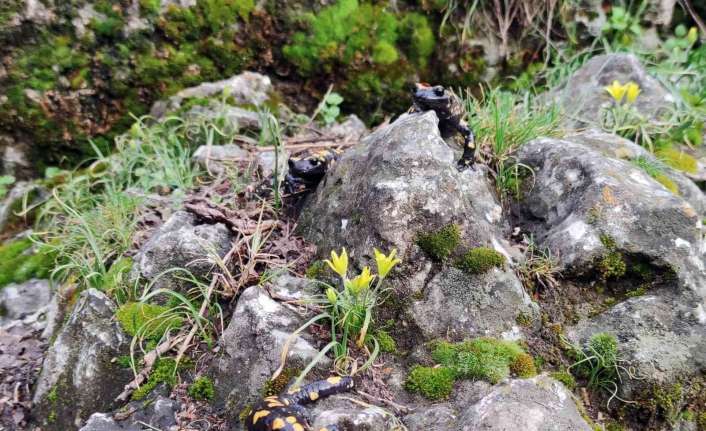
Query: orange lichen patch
x=608, y=196
x=689, y=210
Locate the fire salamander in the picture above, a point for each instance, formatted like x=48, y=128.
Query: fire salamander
x=307, y=169
x=451, y=113
x=285, y=412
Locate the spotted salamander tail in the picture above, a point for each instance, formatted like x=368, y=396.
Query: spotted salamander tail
x=321, y=389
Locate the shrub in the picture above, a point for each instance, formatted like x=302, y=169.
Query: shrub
x=440, y=244
x=432, y=383
x=480, y=260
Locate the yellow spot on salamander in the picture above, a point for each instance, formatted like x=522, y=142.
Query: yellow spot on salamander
x=334, y=380
x=274, y=404
x=298, y=427
x=293, y=391
x=291, y=419
x=261, y=414
x=278, y=424
x=313, y=396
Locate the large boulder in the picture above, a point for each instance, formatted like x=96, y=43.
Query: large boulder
x=79, y=375
x=159, y=412
x=583, y=95
x=181, y=242
x=588, y=209
x=347, y=414
x=252, y=346
x=401, y=181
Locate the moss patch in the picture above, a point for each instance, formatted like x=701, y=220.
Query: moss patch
x=678, y=160
x=387, y=343
x=18, y=264
x=432, y=383
x=566, y=378
x=164, y=371
x=279, y=384
x=484, y=359
x=202, y=389
x=480, y=260
x=441, y=243
x=612, y=264
x=147, y=320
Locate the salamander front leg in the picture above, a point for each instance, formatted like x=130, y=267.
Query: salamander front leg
x=469, y=147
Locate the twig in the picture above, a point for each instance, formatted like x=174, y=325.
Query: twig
x=149, y=361
x=399, y=408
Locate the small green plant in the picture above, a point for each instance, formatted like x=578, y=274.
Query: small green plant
x=611, y=264
x=434, y=383
x=350, y=313
x=538, y=269
x=330, y=108
x=600, y=364
x=317, y=270
x=669, y=400
x=566, y=378
x=202, y=389
x=5, y=182
x=656, y=170
x=678, y=160
x=623, y=26
x=480, y=260
x=387, y=343
x=441, y=243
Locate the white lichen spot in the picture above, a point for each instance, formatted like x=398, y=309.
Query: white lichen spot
x=495, y=214
x=700, y=314
x=514, y=334
x=577, y=230
x=344, y=223
x=682, y=243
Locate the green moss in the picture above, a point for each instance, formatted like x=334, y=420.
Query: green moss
x=701, y=421
x=636, y=292
x=678, y=160
x=387, y=343
x=441, y=243
x=614, y=426
x=317, y=270
x=484, y=359
x=432, y=383
x=18, y=264
x=147, y=320
x=669, y=401
x=612, y=265
x=524, y=319
x=566, y=378
x=164, y=371
x=202, y=389
x=385, y=53
x=417, y=37
x=480, y=260
x=277, y=385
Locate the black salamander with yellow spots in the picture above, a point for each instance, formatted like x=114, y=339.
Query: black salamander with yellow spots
x=307, y=169
x=451, y=113
x=285, y=412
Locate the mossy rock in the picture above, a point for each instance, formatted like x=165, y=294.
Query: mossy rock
x=440, y=244
x=148, y=321
x=480, y=260
x=432, y=383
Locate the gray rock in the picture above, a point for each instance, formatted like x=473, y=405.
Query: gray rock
x=234, y=117
x=251, y=349
x=616, y=147
x=400, y=181
x=583, y=95
x=581, y=196
x=20, y=300
x=79, y=376
x=181, y=243
x=158, y=413
x=219, y=159
x=348, y=415
x=537, y=404
x=12, y=203
x=438, y=417
x=247, y=88
x=459, y=305
x=352, y=128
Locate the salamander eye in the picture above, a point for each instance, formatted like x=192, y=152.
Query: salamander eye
x=439, y=90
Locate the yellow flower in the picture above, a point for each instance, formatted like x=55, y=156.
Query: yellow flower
x=331, y=295
x=693, y=35
x=361, y=282
x=339, y=264
x=632, y=91
x=616, y=90
x=385, y=263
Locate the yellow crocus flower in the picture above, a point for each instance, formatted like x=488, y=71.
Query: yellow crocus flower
x=693, y=35
x=385, y=263
x=632, y=91
x=617, y=91
x=331, y=295
x=361, y=282
x=339, y=264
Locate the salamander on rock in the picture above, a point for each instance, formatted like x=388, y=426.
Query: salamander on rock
x=307, y=169
x=451, y=113
x=285, y=412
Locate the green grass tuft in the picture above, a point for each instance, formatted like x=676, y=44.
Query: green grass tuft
x=440, y=244
x=480, y=260
x=433, y=383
